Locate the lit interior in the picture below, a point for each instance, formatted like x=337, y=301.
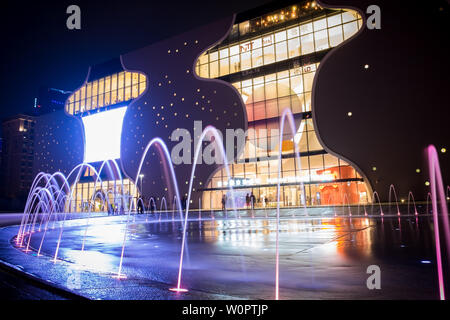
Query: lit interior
x=102, y=135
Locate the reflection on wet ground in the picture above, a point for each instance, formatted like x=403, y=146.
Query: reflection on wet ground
x=320, y=258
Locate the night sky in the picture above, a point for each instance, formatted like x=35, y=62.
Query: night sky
x=38, y=49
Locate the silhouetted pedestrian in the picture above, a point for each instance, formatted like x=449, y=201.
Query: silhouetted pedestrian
x=224, y=202
x=252, y=200
x=140, y=205
x=247, y=200
x=184, y=202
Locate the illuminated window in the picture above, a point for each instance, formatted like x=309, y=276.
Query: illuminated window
x=102, y=135
x=106, y=91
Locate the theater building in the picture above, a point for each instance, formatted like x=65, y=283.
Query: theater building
x=272, y=60
x=270, y=57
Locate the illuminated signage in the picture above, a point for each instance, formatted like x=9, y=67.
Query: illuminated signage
x=326, y=176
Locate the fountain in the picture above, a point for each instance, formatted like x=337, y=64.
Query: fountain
x=348, y=205
x=163, y=201
x=53, y=203
x=287, y=113
x=428, y=202
x=437, y=189
x=411, y=197
x=159, y=142
x=218, y=140
x=392, y=188
x=364, y=207
x=151, y=208
x=379, y=203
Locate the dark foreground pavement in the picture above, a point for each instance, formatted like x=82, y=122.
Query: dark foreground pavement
x=321, y=257
x=15, y=285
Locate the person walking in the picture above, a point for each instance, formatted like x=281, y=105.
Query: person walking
x=152, y=206
x=224, y=202
x=252, y=200
x=184, y=202
x=247, y=200
x=140, y=205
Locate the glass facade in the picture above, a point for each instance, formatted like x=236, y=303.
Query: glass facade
x=107, y=91
x=273, y=71
x=295, y=40
x=101, y=194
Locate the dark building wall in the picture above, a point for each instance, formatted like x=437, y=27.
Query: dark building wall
x=59, y=143
x=17, y=159
x=399, y=104
x=175, y=98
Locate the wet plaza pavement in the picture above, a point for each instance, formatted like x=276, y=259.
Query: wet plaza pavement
x=321, y=256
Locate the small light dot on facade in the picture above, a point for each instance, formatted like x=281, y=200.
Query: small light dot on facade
x=418, y=170
x=427, y=183
x=366, y=66
x=349, y=114
x=374, y=168
x=443, y=150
